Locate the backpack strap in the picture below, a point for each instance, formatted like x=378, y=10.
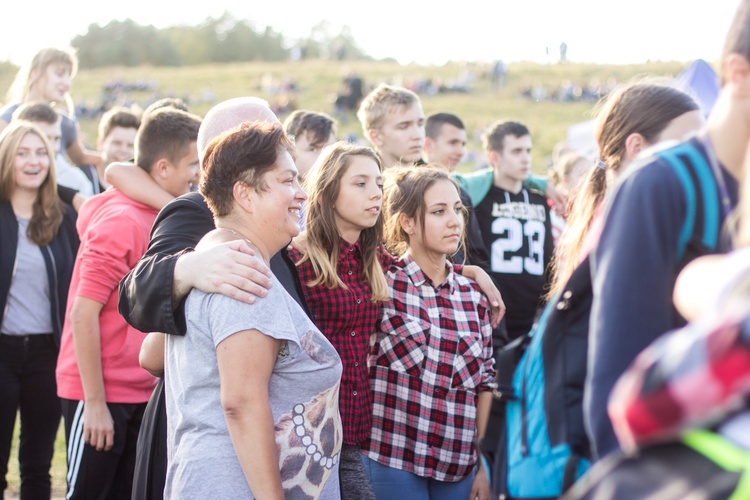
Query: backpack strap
x=569, y=474
x=492, y=446
x=699, y=185
x=724, y=454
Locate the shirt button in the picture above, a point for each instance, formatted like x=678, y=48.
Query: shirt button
x=354, y=393
x=349, y=273
x=354, y=333
x=356, y=363
x=359, y=301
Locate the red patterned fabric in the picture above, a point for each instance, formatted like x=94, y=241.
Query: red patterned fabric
x=692, y=377
x=347, y=318
x=432, y=356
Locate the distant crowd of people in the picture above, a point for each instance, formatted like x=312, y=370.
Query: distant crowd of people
x=568, y=91
x=229, y=306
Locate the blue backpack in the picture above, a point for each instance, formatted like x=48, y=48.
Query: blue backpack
x=547, y=451
x=535, y=454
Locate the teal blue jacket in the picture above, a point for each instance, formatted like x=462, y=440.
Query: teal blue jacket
x=478, y=184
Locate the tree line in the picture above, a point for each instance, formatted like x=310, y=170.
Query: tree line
x=216, y=40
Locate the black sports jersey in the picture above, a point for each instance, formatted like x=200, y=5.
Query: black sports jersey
x=517, y=235
x=475, y=253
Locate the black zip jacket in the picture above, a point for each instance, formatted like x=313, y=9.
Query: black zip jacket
x=59, y=259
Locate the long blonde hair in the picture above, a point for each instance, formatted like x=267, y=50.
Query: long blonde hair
x=642, y=108
x=323, y=184
x=47, y=214
x=35, y=73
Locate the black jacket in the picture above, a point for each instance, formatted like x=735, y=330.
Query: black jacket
x=145, y=299
x=475, y=252
x=59, y=259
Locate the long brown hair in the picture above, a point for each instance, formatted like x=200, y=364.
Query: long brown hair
x=403, y=194
x=323, y=184
x=48, y=211
x=639, y=108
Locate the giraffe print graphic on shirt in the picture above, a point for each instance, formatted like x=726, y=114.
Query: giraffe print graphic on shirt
x=309, y=438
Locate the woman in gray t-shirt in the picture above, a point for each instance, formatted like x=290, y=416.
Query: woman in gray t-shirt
x=38, y=244
x=252, y=389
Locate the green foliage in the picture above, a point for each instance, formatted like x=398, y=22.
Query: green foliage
x=321, y=44
x=124, y=43
x=216, y=40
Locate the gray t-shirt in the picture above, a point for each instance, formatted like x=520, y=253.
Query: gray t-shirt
x=28, y=306
x=303, y=395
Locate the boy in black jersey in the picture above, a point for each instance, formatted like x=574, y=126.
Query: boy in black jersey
x=515, y=224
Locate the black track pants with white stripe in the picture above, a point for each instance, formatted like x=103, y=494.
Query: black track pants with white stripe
x=101, y=475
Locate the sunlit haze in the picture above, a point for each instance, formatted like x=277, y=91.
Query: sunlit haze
x=601, y=31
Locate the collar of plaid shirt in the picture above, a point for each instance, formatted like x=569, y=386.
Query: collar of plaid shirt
x=419, y=278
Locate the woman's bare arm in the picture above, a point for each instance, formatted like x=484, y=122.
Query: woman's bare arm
x=151, y=357
x=246, y=361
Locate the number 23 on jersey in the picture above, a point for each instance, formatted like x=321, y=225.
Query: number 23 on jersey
x=509, y=254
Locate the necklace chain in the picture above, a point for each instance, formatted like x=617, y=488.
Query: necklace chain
x=233, y=232
x=239, y=235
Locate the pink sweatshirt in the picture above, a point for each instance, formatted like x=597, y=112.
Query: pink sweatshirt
x=114, y=232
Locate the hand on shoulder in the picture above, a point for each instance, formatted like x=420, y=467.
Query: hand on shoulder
x=230, y=268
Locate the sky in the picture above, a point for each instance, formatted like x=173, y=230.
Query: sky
x=434, y=32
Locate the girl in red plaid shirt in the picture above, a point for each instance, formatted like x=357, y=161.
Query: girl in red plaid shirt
x=343, y=284
x=431, y=367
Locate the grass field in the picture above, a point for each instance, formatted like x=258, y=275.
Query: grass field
x=58, y=467
x=319, y=81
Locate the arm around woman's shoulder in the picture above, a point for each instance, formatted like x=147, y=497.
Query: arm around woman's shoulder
x=146, y=292
x=152, y=294
x=488, y=287
x=77, y=153
x=485, y=329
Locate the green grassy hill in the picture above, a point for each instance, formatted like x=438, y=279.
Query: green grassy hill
x=319, y=81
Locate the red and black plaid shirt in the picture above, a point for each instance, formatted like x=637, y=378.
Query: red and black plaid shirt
x=347, y=318
x=692, y=377
x=432, y=357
